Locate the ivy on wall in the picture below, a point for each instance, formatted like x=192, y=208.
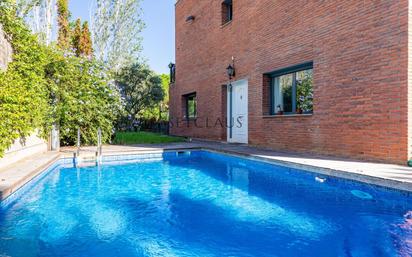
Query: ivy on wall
x=23, y=88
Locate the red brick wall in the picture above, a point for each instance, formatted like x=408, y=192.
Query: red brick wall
x=360, y=55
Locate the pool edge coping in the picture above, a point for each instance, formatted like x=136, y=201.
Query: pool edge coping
x=16, y=186
x=362, y=178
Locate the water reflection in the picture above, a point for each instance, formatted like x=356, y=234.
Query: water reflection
x=203, y=205
x=238, y=177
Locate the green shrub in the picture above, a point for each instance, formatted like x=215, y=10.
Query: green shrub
x=84, y=98
x=142, y=137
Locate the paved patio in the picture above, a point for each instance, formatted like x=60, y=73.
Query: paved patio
x=394, y=176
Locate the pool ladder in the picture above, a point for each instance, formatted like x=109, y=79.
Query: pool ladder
x=97, y=159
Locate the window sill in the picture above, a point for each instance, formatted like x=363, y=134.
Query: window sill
x=287, y=115
x=226, y=24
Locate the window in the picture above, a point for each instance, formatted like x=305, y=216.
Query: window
x=227, y=11
x=191, y=111
x=292, y=90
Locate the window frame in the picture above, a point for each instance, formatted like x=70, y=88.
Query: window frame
x=187, y=99
x=285, y=71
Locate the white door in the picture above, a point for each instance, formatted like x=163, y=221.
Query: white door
x=237, y=99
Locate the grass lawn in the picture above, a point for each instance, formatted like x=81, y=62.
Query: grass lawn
x=141, y=137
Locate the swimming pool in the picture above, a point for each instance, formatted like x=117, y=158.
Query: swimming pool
x=201, y=203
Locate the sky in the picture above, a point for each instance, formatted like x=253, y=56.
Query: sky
x=158, y=36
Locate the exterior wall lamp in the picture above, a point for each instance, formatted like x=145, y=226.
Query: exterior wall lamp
x=190, y=18
x=172, y=68
x=230, y=70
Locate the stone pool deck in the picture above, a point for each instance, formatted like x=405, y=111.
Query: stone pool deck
x=399, y=177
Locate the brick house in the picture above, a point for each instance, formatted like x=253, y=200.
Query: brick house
x=326, y=77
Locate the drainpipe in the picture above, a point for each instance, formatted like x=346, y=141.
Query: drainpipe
x=230, y=108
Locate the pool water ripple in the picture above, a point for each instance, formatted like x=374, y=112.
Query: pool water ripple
x=203, y=204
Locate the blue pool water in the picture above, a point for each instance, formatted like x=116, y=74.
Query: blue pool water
x=203, y=204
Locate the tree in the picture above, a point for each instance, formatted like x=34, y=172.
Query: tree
x=63, y=40
x=140, y=89
x=160, y=112
x=85, y=99
x=44, y=85
x=23, y=7
x=115, y=28
x=86, y=47
x=81, y=41
x=40, y=16
x=304, y=90
x=76, y=37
